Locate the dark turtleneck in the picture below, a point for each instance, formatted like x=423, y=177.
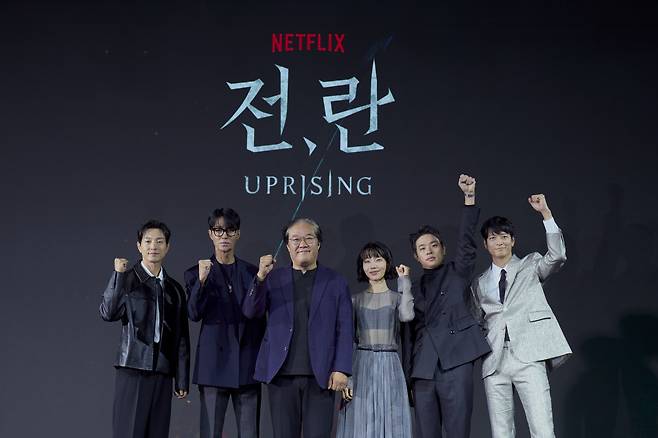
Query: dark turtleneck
x=431, y=280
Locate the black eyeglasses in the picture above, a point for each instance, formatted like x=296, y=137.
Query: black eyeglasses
x=219, y=231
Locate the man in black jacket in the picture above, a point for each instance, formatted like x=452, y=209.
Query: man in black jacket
x=155, y=344
x=228, y=341
x=444, y=339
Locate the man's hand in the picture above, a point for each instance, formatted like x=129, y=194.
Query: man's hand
x=204, y=270
x=403, y=270
x=337, y=381
x=538, y=203
x=467, y=185
x=265, y=266
x=348, y=394
x=181, y=393
x=120, y=265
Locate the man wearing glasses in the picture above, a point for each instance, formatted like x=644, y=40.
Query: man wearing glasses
x=307, y=353
x=228, y=342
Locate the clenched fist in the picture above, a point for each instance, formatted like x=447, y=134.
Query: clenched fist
x=265, y=266
x=467, y=185
x=538, y=203
x=403, y=270
x=204, y=269
x=120, y=265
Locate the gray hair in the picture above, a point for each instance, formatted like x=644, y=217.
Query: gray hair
x=316, y=228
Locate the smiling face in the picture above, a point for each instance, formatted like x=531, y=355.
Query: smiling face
x=153, y=247
x=303, y=245
x=500, y=247
x=430, y=252
x=374, y=267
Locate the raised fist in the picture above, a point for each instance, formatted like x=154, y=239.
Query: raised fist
x=538, y=202
x=265, y=265
x=467, y=185
x=120, y=265
x=403, y=270
x=204, y=269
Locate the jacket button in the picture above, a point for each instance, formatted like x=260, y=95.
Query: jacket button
x=443, y=293
x=285, y=348
x=290, y=329
x=452, y=332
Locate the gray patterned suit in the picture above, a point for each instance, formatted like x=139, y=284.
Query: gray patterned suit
x=535, y=339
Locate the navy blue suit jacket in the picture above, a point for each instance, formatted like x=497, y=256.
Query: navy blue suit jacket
x=444, y=330
x=330, y=327
x=228, y=342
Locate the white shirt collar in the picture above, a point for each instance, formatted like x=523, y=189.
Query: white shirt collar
x=160, y=275
x=495, y=269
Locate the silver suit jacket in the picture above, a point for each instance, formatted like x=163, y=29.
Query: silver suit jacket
x=534, y=332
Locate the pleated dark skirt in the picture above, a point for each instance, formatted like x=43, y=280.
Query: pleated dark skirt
x=380, y=407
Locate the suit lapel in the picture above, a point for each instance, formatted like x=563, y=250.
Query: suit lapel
x=319, y=286
x=217, y=278
x=484, y=279
x=286, y=287
x=240, y=270
x=168, y=289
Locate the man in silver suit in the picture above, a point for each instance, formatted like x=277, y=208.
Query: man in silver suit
x=525, y=337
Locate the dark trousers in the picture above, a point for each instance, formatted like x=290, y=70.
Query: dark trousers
x=298, y=403
x=142, y=404
x=446, y=401
x=246, y=404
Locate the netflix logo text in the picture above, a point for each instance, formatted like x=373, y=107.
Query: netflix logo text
x=308, y=42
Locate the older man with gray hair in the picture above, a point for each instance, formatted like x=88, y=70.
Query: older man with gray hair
x=306, y=353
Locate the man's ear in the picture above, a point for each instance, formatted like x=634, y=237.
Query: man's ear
x=513, y=241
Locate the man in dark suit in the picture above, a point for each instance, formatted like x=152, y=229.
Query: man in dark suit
x=155, y=344
x=228, y=342
x=306, y=353
x=444, y=338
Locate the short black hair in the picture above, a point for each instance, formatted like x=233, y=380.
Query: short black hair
x=231, y=218
x=497, y=225
x=316, y=228
x=375, y=249
x=425, y=229
x=152, y=224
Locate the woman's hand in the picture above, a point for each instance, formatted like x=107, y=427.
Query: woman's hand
x=403, y=270
x=347, y=394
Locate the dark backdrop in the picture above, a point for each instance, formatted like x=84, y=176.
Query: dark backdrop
x=110, y=114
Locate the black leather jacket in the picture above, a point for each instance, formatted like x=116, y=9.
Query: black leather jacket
x=131, y=297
